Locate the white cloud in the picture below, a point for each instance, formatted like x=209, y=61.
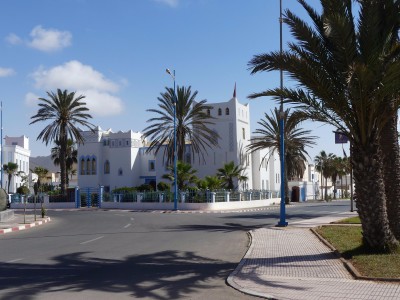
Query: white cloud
x=171, y=3
x=75, y=76
x=49, y=39
x=13, y=39
x=101, y=104
x=31, y=99
x=5, y=72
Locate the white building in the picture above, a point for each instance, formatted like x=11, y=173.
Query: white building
x=16, y=150
x=232, y=124
x=118, y=159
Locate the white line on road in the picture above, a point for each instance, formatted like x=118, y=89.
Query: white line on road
x=14, y=260
x=132, y=219
x=89, y=241
x=127, y=225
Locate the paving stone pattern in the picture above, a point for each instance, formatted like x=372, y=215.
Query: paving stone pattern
x=292, y=263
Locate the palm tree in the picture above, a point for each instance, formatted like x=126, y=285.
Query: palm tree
x=322, y=165
x=210, y=182
x=345, y=68
x=71, y=156
x=347, y=169
x=230, y=173
x=341, y=171
x=65, y=112
x=185, y=174
x=192, y=123
x=41, y=172
x=11, y=169
x=335, y=170
x=295, y=140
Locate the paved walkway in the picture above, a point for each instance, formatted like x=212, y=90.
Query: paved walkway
x=292, y=263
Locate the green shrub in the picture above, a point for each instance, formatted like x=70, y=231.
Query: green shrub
x=145, y=188
x=123, y=190
x=162, y=186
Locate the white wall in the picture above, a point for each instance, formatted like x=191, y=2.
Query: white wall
x=16, y=149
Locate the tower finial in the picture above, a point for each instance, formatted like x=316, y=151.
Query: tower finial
x=234, y=91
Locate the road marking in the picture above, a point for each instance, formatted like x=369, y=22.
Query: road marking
x=14, y=260
x=132, y=219
x=89, y=241
x=127, y=225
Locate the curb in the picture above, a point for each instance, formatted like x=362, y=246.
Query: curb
x=348, y=265
x=230, y=281
x=25, y=226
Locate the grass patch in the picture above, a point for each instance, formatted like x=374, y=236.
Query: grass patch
x=352, y=220
x=348, y=241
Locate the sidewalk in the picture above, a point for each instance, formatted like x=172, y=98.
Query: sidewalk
x=292, y=263
x=17, y=222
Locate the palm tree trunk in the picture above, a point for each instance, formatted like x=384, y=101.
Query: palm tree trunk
x=391, y=172
x=63, y=169
x=370, y=196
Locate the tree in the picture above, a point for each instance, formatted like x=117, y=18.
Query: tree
x=11, y=169
x=70, y=159
x=41, y=172
x=65, y=111
x=341, y=171
x=324, y=166
x=185, y=174
x=192, y=122
x=210, y=182
x=345, y=68
x=230, y=173
x=295, y=140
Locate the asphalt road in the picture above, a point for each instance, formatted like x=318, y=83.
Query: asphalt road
x=98, y=254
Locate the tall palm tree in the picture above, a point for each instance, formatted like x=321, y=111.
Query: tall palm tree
x=336, y=167
x=70, y=159
x=341, y=171
x=185, y=174
x=11, y=169
x=295, y=140
x=347, y=169
x=230, y=173
x=65, y=111
x=389, y=139
x=192, y=123
x=324, y=166
x=346, y=70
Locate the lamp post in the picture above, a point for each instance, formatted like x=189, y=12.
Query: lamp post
x=282, y=220
x=175, y=158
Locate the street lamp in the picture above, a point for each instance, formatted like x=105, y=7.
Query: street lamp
x=174, y=100
x=282, y=221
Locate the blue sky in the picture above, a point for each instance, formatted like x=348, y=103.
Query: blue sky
x=116, y=51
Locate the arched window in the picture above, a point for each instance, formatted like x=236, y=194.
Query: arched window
x=219, y=111
x=120, y=172
x=82, y=166
x=208, y=112
x=227, y=111
x=88, y=166
x=107, y=167
x=94, y=169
